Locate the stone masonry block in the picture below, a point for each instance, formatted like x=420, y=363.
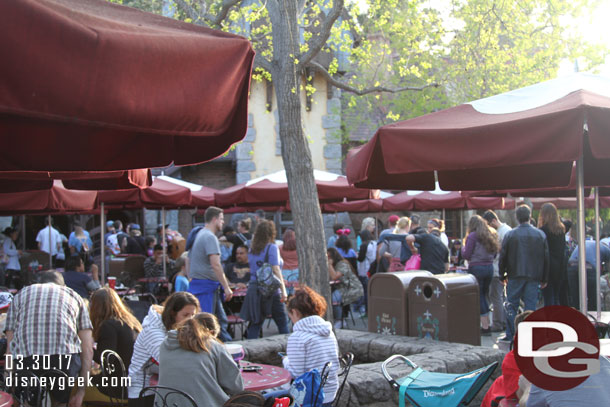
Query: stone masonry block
x=331, y=121
x=250, y=120
x=250, y=135
x=333, y=136
x=245, y=166
x=332, y=151
x=333, y=106
x=243, y=151
x=242, y=177
x=333, y=165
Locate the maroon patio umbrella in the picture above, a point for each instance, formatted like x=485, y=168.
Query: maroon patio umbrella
x=527, y=138
x=359, y=206
x=481, y=145
x=272, y=190
x=17, y=181
x=90, y=85
x=429, y=201
x=567, y=203
x=53, y=201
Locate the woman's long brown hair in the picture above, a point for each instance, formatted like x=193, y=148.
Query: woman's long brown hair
x=485, y=233
x=195, y=333
x=549, y=217
x=264, y=234
x=105, y=304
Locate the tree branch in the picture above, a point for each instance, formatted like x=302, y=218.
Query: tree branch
x=193, y=15
x=216, y=20
x=319, y=68
x=357, y=38
x=318, y=41
x=261, y=62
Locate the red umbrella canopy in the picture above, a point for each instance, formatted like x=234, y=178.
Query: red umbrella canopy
x=566, y=203
x=272, y=189
x=90, y=85
x=56, y=200
x=17, y=181
x=439, y=199
x=527, y=138
x=200, y=196
x=362, y=205
x=167, y=194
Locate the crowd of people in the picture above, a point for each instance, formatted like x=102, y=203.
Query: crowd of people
x=511, y=266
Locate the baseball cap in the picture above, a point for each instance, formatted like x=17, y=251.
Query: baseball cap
x=110, y=224
x=135, y=226
x=393, y=219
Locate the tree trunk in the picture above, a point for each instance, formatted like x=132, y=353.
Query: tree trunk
x=305, y=207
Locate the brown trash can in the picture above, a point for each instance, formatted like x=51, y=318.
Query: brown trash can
x=445, y=307
x=387, y=302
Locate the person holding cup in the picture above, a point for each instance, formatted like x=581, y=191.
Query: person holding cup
x=76, y=278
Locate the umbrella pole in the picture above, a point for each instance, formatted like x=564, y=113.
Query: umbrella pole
x=597, y=257
x=50, y=242
x=582, y=267
x=23, y=232
x=102, y=249
x=443, y=215
x=163, y=242
x=461, y=223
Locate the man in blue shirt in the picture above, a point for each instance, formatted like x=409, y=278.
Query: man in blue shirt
x=604, y=255
x=76, y=279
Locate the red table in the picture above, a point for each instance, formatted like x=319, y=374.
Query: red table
x=6, y=399
x=267, y=378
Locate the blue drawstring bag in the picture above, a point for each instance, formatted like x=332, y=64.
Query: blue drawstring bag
x=429, y=389
x=306, y=390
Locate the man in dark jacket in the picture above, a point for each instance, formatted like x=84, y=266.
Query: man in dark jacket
x=524, y=265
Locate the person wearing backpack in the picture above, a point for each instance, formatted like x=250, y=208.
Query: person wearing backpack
x=266, y=292
x=313, y=342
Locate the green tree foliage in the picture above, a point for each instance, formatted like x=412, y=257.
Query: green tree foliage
x=474, y=48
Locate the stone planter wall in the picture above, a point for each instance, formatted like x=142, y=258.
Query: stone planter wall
x=366, y=385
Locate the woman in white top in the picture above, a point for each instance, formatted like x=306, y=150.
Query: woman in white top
x=313, y=342
x=11, y=258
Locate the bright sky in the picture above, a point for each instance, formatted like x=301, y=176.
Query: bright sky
x=594, y=27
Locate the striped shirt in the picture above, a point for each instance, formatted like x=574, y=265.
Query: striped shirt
x=311, y=345
x=45, y=320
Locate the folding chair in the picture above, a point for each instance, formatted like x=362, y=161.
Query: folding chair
x=168, y=397
x=346, y=361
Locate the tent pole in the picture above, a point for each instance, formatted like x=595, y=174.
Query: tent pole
x=597, y=257
x=50, y=241
x=23, y=236
x=443, y=215
x=461, y=223
x=102, y=249
x=163, y=242
x=582, y=266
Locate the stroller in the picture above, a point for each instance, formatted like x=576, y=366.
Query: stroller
x=428, y=389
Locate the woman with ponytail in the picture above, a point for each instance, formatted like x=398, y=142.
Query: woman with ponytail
x=192, y=349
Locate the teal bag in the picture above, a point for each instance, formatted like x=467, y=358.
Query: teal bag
x=429, y=389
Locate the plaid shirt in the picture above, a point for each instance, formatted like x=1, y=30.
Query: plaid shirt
x=45, y=320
